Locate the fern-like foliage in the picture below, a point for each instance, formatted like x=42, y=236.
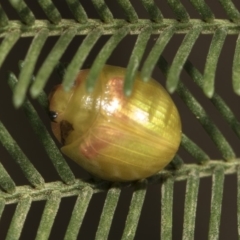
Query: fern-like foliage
x=40, y=30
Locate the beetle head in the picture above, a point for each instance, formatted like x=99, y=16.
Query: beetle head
x=58, y=102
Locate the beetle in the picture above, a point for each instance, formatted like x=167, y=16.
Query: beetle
x=112, y=136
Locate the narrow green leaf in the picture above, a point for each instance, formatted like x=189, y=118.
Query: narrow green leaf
x=134, y=211
x=50, y=10
x=129, y=10
x=20, y=158
x=6, y=182
x=135, y=59
x=28, y=67
x=179, y=10
x=191, y=199
x=216, y=203
x=3, y=18
x=77, y=10
x=48, y=216
x=227, y=114
x=103, y=10
x=19, y=217
x=51, y=61
x=238, y=201
x=2, y=206
x=79, y=58
x=194, y=150
x=175, y=164
x=108, y=211
x=7, y=44
x=212, y=60
x=102, y=57
x=23, y=11
x=167, y=208
x=153, y=10
x=156, y=51
x=203, y=10
x=78, y=213
x=236, y=68
x=231, y=10
x=181, y=57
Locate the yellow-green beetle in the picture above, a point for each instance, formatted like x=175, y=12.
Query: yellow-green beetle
x=112, y=136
